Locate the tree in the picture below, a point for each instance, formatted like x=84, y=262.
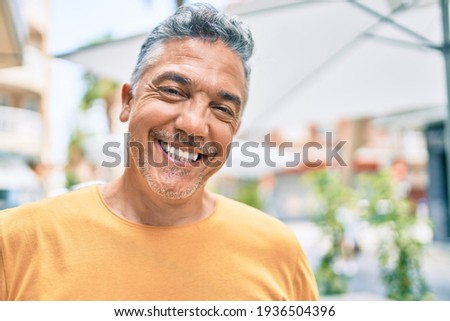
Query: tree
x=100, y=89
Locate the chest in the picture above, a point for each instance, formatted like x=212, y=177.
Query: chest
x=112, y=266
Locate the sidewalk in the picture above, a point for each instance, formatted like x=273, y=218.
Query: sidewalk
x=365, y=283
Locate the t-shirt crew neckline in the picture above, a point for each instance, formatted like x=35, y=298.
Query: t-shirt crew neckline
x=140, y=226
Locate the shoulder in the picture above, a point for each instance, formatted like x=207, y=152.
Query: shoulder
x=252, y=221
x=246, y=213
x=44, y=211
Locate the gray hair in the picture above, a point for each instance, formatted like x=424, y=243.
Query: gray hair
x=201, y=21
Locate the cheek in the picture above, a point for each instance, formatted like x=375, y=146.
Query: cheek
x=153, y=114
x=223, y=130
x=223, y=136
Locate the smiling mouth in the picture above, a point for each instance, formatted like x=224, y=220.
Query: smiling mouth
x=178, y=154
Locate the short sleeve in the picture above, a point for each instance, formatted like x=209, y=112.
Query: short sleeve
x=305, y=285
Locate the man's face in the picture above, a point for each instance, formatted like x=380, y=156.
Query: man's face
x=185, y=112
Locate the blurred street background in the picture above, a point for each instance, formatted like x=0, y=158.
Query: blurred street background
x=352, y=97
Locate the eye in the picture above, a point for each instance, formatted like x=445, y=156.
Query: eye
x=172, y=91
x=224, y=109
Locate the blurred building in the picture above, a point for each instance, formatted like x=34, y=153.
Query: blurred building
x=24, y=96
x=410, y=144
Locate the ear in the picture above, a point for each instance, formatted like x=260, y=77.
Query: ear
x=127, y=97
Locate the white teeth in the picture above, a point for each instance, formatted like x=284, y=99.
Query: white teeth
x=177, y=153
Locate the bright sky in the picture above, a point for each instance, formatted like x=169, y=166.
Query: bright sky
x=75, y=23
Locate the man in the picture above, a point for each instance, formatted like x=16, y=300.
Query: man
x=156, y=233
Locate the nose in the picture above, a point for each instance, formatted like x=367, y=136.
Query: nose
x=192, y=119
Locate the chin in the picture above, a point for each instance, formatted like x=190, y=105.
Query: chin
x=174, y=190
x=172, y=193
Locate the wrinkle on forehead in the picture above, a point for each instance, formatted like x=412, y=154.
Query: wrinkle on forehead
x=225, y=65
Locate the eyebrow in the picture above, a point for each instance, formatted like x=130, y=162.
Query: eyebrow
x=231, y=98
x=174, y=77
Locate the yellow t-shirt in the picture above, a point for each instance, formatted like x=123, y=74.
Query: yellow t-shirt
x=73, y=247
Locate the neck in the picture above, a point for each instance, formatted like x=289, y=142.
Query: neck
x=137, y=203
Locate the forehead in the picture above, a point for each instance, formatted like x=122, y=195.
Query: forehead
x=211, y=62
